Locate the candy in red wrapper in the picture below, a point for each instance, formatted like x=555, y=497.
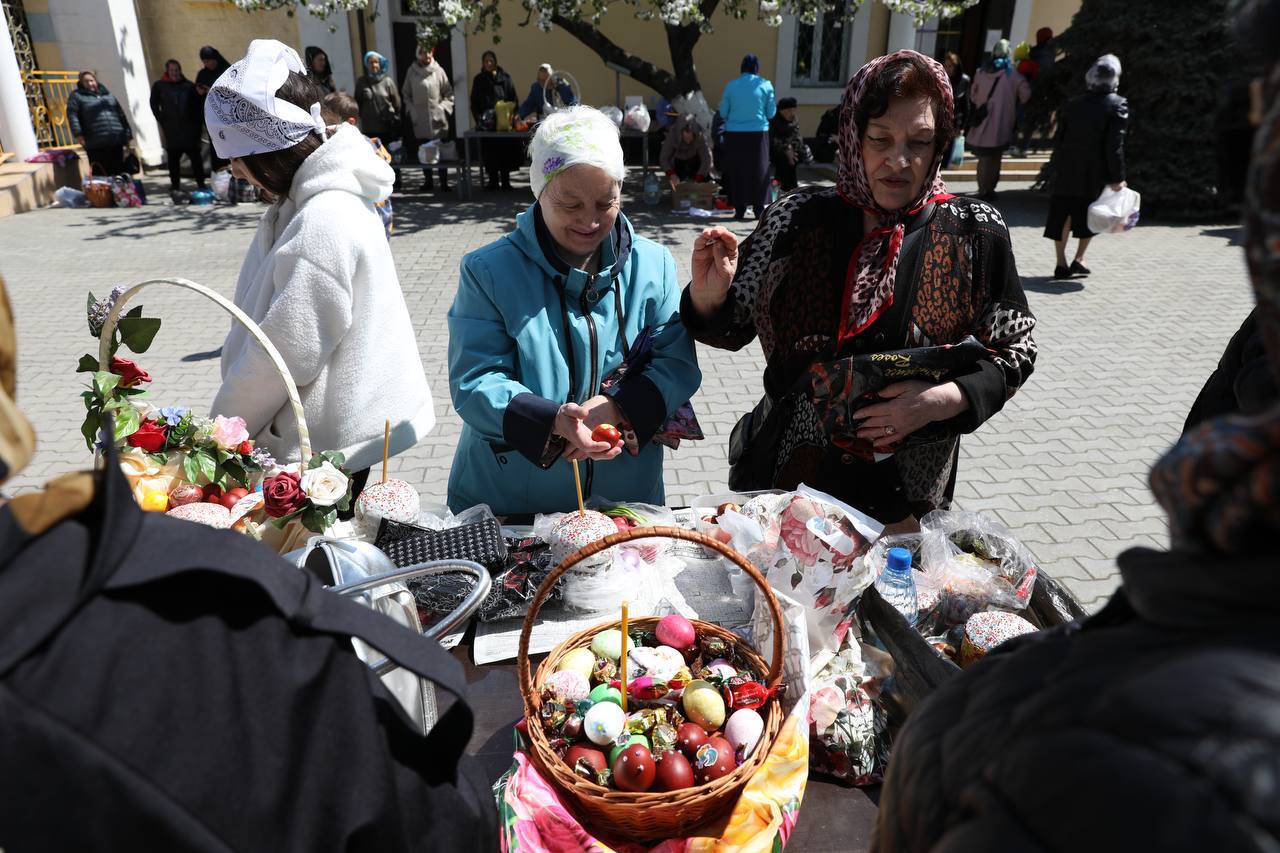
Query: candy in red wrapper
x=740, y=692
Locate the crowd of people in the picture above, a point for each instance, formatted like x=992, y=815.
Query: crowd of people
x=576, y=318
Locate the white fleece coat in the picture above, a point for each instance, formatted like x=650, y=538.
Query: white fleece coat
x=320, y=281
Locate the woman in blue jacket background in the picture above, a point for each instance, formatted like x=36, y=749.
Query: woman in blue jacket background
x=543, y=316
x=746, y=107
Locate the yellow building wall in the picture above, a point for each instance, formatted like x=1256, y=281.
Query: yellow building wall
x=48, y=54
x=1055, y=14
x=718, y=55
x=177, y=29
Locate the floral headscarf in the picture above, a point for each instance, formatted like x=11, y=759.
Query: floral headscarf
x=874, y=265
x=1220, y=484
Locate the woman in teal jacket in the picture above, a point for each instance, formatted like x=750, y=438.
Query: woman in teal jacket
x=746, y=107
x=543, y=316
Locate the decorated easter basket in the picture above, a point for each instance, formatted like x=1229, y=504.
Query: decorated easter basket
x=650, y=814
x=293, y=534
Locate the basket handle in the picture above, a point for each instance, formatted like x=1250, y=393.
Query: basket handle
x=295, y=400
x=531, y=699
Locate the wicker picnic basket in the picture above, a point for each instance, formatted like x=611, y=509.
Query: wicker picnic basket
x=286, y=540
x=99, y=192
x=648, y=815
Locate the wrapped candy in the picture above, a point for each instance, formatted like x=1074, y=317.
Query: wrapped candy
x=559, y=746
x=715, y=647
x=647, y=688
x=605, y=671
x=740, y=692
x=663, y=737
x=572, y=727
x=553, y=716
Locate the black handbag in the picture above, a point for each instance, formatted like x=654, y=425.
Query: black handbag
x=408, y=544
x=752, y=444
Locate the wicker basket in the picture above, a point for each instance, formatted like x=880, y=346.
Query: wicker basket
x=286, y=541
x=648, y=815
x=99, y=192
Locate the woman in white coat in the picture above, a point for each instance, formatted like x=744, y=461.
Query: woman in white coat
x=319, y=278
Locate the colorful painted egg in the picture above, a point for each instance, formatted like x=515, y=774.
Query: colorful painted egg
x=672, y=660
x=674, y=772
x=394, y=499
x=676, y=631
x=606, y=694
x=714, y=760
x=634, y=769
x=689, y=737
x=619, y=747
x=743, y=731
x=578, y=660
x=704, y=705
x=608, y=644
x=603, y=723
x=568, y=684
x=721, y=668
x=593, y=756
x=213, y=515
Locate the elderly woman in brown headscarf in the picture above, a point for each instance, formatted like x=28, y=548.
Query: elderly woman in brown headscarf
x=1158, y=718
x=890, y=311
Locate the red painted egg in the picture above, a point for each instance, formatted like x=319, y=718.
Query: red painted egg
x=714, y=760
x=634, y=769
x=674, y=772
x=689, y=737
x=594, y=757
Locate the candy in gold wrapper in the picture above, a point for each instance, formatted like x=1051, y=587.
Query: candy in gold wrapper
x=663, y=737
x=605, y=671
x=553, y=716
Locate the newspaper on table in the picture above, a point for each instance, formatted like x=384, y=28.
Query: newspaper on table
x=694, y=582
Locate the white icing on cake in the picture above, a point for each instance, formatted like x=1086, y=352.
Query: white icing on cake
x=394, y=499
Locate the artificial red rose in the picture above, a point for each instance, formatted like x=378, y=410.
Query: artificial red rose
x=245, y=448
x=283, y=495
x=130, y=374
x=150, y=436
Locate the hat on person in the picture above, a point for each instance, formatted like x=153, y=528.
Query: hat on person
x=570, y=137
x=242, y=112
x=1104, y=74
x=750, y=64
x=786, y=103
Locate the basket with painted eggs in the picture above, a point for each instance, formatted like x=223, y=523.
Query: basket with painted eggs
x=651, y=727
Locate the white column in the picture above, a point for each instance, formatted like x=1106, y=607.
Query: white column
x=16, y=132
x=902, y=33
x=1020, y=29
x=461, y=81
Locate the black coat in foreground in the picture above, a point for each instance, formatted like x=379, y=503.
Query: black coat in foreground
x=1153, y=725
x=167, y=686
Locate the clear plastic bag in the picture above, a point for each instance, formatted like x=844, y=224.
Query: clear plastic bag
x=1115, y=211
x=220, y=183
x=976, y=564
x=636, y=118
x=70, y=197
x=601, y=584
x=613, y=114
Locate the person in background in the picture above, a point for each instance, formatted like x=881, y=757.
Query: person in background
x=960, y=84
x=1159, y=715
x=501, y=157
x=837, y=280
x=686, y=151
x=540, y=326
x=1088, y=155
x=318, y=278
x=212, y=64
x=318, y=69
x=98, y=124
x=176, y=105
x=1045, y=51
x=427, y=95
x=998, y=88
x=379, y=99
x=536, y=107
x=787, y=148
x=341, y=108
x=747, y=105
x=826, y=144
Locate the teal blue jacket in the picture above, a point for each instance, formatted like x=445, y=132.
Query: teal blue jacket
x=747, y=104
x=527, y=334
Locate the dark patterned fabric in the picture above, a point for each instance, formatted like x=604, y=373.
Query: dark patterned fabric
x=959, y=280
x=1220, y=484
x=410, y=545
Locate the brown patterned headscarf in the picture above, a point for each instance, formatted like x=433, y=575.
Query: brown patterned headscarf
x=17, y=440
x=874, y=266
x=1220, y=484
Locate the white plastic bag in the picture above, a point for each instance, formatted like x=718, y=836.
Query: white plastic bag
x=613, y=114
x=220, y=183
x=70, y=197
x=1115, y=211
x=429, y=153
x=636, y=118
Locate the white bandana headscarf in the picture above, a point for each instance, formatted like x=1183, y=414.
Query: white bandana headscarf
x=572, y=136
x=1104, y=74
x=242, y=112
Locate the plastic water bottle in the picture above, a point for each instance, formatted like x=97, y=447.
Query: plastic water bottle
x=897, y=586
x=775, y=190
x=652, y=194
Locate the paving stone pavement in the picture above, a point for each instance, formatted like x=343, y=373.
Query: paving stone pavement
x=1122, y=353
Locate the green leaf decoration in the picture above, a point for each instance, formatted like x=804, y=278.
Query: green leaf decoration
x=137, y=333
x=88, y=364
x=135, y=311
x=208, y=468
x=104, y=382
x=126, y=423
x=89, y=429
x=190, y=468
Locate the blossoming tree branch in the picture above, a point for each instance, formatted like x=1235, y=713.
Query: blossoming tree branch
x=685, y=22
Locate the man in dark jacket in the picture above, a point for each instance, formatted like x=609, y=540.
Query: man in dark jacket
x=1155, y=724
x=500, y=156
x=99, y=125
x=787, y=148
x=176, y=687
x=177, y=107
x=1088, y=156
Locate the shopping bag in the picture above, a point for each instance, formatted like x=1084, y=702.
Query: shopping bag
x=957, y=152
x=221, y=184
x=1115, y=211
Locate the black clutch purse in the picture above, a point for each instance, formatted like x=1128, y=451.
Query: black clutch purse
x=408, y=544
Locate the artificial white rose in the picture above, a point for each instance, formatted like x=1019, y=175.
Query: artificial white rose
x=325, y=485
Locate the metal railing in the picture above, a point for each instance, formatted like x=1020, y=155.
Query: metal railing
x=47, y=93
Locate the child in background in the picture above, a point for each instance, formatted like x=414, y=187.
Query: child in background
x=340, y=107
x=786, y=145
